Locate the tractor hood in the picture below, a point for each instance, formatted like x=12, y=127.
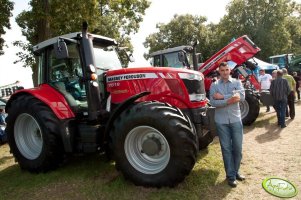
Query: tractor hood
x=181, y=87
x=137, y=73
x=238, y=51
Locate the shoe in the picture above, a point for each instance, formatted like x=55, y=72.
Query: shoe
x=283, y=126
x=240, y=177
x=232, y=183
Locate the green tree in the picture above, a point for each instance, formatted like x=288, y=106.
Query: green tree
x=269, y=23
x=293, y=26
x=48, y=18
x=182, y=30
x=6, y=7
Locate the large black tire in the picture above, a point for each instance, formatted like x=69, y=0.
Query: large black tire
x=33, y=135
x=154, y=145
x=249, y=109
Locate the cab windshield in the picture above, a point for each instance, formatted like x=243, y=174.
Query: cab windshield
x=106, y=58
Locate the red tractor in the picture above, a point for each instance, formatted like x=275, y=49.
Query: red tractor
x=238, y=51
x=150, y=120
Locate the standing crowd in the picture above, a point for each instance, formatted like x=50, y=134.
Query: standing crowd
x=283, y=88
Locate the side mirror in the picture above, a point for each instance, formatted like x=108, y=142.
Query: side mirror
x=131, y=58
x=181, y=56
x=60, y=49
x=195, y=43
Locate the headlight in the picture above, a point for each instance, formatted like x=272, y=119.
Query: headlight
x=197, y=97
x=190, y=76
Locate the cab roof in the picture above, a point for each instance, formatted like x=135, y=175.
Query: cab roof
x=281, y=55
x=76, y=35
x=170, y=50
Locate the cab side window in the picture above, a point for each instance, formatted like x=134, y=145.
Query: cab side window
x=156, y=61
x=64, y=74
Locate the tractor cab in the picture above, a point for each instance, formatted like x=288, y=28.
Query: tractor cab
x=61, y=62
x=177, y=57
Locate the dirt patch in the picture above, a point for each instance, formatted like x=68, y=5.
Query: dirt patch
x=269, y=151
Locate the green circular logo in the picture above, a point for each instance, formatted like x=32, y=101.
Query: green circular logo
x=279, y=187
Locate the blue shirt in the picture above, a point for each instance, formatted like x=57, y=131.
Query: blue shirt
x=224, y=113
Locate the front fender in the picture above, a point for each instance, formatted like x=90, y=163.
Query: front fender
x=121, y=107
x=51, y=97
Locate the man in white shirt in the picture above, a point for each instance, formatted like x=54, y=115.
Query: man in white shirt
x=265, y=82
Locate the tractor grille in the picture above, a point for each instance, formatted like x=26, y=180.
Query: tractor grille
x=196, y=89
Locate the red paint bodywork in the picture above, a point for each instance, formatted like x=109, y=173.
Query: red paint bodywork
x=54, y=99
x=166, y=86
x=238, y=51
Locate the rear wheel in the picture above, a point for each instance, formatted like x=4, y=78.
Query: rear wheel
x=249, y=109
x=32, y=131
x=154, y=144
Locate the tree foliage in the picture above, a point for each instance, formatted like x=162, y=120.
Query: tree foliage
x=49, y=18
x=272, y=24
x=6, y=7
x=181, y=30
x=112, y=18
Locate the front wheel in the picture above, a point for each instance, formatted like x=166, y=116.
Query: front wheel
x=154, y=144
x=32, y=131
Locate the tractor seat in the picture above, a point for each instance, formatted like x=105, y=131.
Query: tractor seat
x=73, y=103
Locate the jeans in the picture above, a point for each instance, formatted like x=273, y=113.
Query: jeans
x=280, y=106
x=290, y=111
x=230, y=137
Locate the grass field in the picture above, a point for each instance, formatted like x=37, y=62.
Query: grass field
x=92, y=177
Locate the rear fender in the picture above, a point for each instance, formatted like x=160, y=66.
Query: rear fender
x=51, y=97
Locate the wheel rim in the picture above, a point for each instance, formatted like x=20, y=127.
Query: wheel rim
x=244, y=108
x=147, y=150
x=28, y=136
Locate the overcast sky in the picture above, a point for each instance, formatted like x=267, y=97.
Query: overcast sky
x=159, y=12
